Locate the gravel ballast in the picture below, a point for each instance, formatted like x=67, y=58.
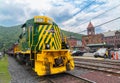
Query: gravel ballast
x=21, y=74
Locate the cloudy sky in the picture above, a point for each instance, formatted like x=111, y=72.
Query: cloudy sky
x=70, y=15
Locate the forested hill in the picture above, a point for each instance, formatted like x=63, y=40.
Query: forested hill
x=76, y=35
x=9, y=35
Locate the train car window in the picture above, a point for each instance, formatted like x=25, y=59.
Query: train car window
x=18, y=41
x=24, y=30
x=20, y=36
x=30, y=28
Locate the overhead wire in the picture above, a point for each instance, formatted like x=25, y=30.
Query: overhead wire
x=97, y=15
x=100, y=14
x=103, y=23
x=104, y=12
x=84, y=8
x=91, y=9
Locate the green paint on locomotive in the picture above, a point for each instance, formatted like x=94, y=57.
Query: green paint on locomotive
x=36, y=35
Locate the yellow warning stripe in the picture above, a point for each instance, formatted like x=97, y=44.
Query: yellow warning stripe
x=50, y=35
x=42, y=35
x=59, y=37
x=56, y=38
x=45, y=36
x=52, y=41
x=40, y=27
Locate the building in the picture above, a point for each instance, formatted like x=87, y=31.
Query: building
x=74, y=42
x=112, y=38
x=91, y=37
x=117, y=39
x=92, y=40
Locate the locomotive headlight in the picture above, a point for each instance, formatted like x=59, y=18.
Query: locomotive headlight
x=67, y=46
x=47, y=46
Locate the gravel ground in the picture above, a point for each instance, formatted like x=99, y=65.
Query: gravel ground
x=66, y=78
x=101, y=77
x=21, y=74
x=79, y=71
x=98, y=76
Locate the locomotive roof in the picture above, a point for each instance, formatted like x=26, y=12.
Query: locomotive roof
x=30, y=22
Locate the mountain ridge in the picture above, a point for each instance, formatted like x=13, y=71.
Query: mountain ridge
x=9, y=35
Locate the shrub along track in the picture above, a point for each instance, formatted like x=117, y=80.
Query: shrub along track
x=4, y=73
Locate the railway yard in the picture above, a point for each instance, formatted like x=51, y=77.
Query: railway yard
x=87, y=70
x=64, y=41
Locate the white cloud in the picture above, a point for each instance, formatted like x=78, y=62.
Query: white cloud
x=62, y=11
x=99, y=20
x=3, y=17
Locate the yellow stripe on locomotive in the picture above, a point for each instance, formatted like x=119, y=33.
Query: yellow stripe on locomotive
x=43, y=47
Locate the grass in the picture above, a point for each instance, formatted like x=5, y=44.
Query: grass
x=4, y=73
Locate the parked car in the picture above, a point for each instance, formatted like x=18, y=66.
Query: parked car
x=102, y=52
x=78, y=53
x=92, y=50
x=1, y=55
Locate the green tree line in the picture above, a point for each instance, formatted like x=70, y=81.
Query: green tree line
x=9, y=35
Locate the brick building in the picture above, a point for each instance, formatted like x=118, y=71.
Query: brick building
x=112, y=38
x=91, y=37
x=74, y=42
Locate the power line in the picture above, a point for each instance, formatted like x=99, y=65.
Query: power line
x=84, y=8
x=91, y=9
x=103, y=23
x=108, y=22
x=100, y=14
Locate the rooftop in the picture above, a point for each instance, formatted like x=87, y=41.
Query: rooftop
x=109, y=33
x=90, y=25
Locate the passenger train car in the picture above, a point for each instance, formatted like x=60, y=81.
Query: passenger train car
x=43, y=46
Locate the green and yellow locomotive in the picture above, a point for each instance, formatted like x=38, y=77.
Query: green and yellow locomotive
x=43, y=46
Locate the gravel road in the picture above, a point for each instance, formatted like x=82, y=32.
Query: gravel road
x=22, y=74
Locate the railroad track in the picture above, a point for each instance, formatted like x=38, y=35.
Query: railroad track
x=67, y=78
x=111, y=62
x=99, y=66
